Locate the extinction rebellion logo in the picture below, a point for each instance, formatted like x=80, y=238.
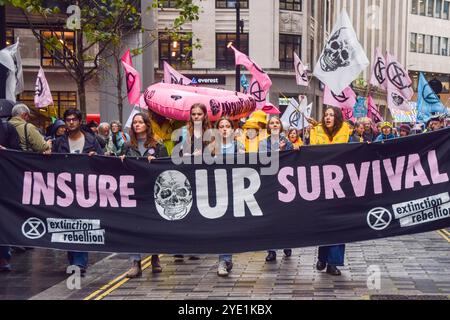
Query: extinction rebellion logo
x=412, y=212
x=76, y=231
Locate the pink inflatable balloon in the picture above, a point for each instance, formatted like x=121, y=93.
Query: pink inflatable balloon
x=174, y=101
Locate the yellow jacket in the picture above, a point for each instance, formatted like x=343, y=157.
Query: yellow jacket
x=318, y=135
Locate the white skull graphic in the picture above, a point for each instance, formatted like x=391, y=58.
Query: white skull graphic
x=338, y=52
x=173, y=195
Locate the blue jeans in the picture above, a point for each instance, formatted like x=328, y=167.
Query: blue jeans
x=225, y=257
x=78, y=258
x=135, y=257
x=332, y=255
x=5, y=253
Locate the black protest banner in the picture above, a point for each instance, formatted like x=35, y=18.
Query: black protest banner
x=319, y=195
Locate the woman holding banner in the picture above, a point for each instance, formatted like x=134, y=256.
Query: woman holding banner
x=193, y=141
x=143, y=144
x=275, y=142
x=332, y=130
x=226, y=145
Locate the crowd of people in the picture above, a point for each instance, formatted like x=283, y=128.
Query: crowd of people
x=150, y=137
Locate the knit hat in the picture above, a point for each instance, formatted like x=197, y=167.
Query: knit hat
x=385, y=124
x=405, y=127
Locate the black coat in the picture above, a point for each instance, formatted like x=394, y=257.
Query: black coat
x=61, y=145
x=159, y=151
x=8, y=136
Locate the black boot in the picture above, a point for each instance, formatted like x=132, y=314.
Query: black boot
x=320, y=266
x=287, y=252
x=271, y=256
x=333, y=270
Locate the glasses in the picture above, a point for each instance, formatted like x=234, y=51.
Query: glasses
x=72, y=120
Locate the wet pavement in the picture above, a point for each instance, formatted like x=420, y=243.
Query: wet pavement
x=411, y=267
x=35, y=271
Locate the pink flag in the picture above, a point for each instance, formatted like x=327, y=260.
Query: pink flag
x=133, y=79
x=172, y=76
x=301, y=72
x=348, y=114
x=347, y=99
x=378, y=78
x=43, y=96
x=127, y=58
x=372, y=111
x=397, y=78
x=260, y=84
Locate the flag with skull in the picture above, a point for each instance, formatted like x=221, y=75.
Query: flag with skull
x=343, y=58
x=10, y=58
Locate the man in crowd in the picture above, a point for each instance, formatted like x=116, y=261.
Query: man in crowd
x=9, y=139
x=369, y=135
x=82, y=142
x=30, y=138
x=435, y=123
x=104, y=133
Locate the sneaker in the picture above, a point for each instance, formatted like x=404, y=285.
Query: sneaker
x=135, y=271
x=229, y=265
x=222, y=270
x=4, y=266
x=178, y=258
x=156, y=266
x=287, y=252
x=271, y=256
x=333, y=270
x=320, y=266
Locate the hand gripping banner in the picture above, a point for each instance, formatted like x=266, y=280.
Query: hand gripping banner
x=320, y=195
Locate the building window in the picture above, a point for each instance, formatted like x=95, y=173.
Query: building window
x=288, y=45
x=231, y=4
x=430, y=8
x=420, y=43
x=428, y=44
x=444, y=46
x=413, y=42
x=415, y=7
x=436, y=45
x=294, y=5
x=422, y=7
x=63, y=55
x=438, y=9
x=176, y=52
x=62, y=100
x=169, y=4
x=225, y=56
x=446, y=10
x=10, y=37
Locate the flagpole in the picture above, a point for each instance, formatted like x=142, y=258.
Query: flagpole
x=238, y=44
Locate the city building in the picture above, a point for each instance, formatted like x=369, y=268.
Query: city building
x=273, y=30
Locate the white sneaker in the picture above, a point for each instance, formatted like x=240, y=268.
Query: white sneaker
x=222, y=269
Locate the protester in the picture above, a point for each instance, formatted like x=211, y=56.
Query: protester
x=77, y=141
x=332, y=130
x=358, y=133
x=58, y=129
x=386, y=132
x=30, y=138
x=436, y=122
x=254, y=131
x=405, y=130
x=227, y=145
x=143, y=144
x=105, y=135
x=369, y=134
x=275, y=142
x=294, y=139
x=118, y=137
x=193, y=142
x=276, y=138
x=9, y=139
